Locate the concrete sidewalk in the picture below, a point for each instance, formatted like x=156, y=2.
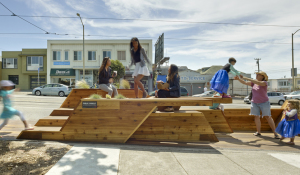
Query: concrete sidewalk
x=133, y=159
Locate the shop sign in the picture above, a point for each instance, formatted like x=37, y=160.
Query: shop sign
x=191, y=78
x=61, y=63
x=62, y=72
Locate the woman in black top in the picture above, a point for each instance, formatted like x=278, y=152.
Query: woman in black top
x=139, y=59
x=106, y=78
x=174, y=86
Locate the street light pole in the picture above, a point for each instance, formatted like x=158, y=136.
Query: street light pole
x=83, y=67
x=293, y=70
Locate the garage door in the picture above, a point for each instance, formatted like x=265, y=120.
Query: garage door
x=34, y=81
x=198, y=88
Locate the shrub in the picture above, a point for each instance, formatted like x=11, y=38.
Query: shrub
x=120, y=96
x=125, y=84
x=82, y=84
x=95, y=96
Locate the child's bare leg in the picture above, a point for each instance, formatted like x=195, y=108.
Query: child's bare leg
x=23, y=119
x=4, y=123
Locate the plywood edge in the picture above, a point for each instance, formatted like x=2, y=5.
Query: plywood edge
x=145, y=118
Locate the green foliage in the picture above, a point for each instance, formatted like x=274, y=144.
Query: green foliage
x=117, y=85
x=95, y=96
x=120, y=96
x=116, y=65
x=125, y=84
x=82, y=84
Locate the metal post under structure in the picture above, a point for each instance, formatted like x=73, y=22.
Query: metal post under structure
x=83, y=65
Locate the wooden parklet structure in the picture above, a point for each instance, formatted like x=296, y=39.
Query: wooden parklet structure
x=123, y=120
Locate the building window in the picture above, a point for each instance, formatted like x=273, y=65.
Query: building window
x=66, y=55
x=35, y=62
x=268, y=83
x=106, y=54
x=77, y=55
x=56, y=55
x=14, y=79
x=283, y=83
x=91, y=55
x=121, y=55
x=10, y=63
x=298, y=82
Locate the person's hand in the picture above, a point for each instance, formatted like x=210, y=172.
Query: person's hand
x=111, y=80
x=236, y=77
x=241, y=76
x=166, y=89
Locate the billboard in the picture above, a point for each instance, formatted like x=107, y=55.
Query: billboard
x=159, y=48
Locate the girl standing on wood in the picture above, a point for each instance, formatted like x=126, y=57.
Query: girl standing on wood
x=106, y=78
x=220, y=81
x=139, y=59
x=174, y=86
x=289, y=127
x=8, y=111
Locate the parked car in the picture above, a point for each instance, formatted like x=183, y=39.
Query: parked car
x=274, y=97
x=293, y=95
x=205, y=94
x=52, y=89
x=183, y=92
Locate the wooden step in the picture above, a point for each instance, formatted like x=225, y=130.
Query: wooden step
x=52, y=121
x=62, y=112
x=37, y=132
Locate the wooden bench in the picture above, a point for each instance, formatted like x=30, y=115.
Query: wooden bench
x=117, y=120
x=240, y=120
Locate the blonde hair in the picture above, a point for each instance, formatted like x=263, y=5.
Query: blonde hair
x=295, y=104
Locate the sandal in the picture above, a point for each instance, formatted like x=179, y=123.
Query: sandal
x=29, y=128
x=276, y=136
x=145, y=94
x=281, y=139
x=257, y=134
x=290, y=143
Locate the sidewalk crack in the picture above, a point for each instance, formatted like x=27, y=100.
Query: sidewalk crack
x=179, y=163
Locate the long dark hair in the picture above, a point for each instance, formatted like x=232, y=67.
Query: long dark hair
x=173, y=72
x=104, y=62
x=137, y=40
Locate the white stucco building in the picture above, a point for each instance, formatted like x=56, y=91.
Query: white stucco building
x=65, y=59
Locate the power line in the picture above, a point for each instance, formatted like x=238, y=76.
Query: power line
x=182, y=39
x=13, y=14
x=160, y=20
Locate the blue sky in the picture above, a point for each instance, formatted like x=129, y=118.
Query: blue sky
x=274, y=48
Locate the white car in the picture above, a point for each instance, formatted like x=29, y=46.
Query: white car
x=293, y=95
x=274, y=97
x=205, y=94
x=52, y=89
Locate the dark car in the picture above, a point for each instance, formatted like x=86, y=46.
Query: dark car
x=183, y=92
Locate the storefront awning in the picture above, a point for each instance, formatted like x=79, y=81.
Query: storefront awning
x=62, y=72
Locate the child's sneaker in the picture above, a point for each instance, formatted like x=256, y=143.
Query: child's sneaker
x=226, y=96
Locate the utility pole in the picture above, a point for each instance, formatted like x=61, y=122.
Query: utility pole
x=293, y=69
x=257, y=62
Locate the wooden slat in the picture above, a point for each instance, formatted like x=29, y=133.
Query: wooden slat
x=62, y=112
x=52, y=121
